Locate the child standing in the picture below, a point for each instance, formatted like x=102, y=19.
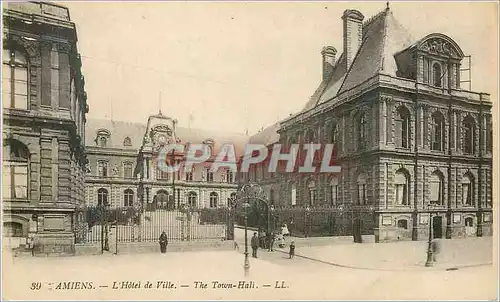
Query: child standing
x=292, y=249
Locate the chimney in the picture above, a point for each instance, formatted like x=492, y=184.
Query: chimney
x=353, y=33
x=328, y=53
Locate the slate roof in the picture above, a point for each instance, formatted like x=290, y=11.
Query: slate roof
x=383, y=37
x=266, y=136
x=135, y=131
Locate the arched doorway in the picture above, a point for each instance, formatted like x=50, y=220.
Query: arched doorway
x=163, y=200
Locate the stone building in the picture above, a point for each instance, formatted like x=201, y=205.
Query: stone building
x=122, y=157
x=44, y=107
x=413, y=145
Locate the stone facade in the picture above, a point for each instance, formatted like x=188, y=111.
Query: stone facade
x=120, y=145
x=44, y=107
x=410, y=141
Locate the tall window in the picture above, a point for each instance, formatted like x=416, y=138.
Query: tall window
x=334, y=190
x=127, y=141
x=229, y=176
x=312, y=192
x=437, y=75
x=15, y=170
x=468, y=138
x=403, y=128
x=437, y=131
x=189, y=174
x=436, y=188
x=361, y=130
x=361, y=182
x=209, y=174
x=161, y=175
x=401, y=186
x=192, y=199
x=213, y=199
x=102, y=168
x=127, y=170
x=128, y=198
x=102, y=197
x=14, y=80
x=293, y=194
x=54, y=75
x=467, y=190
x=334, y=138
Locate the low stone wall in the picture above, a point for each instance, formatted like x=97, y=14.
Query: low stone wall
x=147, y=247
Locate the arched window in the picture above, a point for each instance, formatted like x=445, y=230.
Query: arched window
x=469, y=222
x=401, y=186
x=334, y=138
x=12, y=229
x=403, y=128
x=361, y=182
x=468, y=190
x=102, y=197
x=192, y=199
x=213, y=199
x=436, y=75
x=102, y=168
x=128, y=198
x=312, y=192
x=436, y=188
x=468, y=137
x=14, y=80
x=360, y=126
x=127, y=170
x=437, y=131
x=334, y=191
x=15, y=170
x=127, y=141
x=293, y=194
x=162, y=200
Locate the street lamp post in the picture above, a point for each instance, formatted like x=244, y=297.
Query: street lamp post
x=246, y=265
x=306, y=222
x=429, y=261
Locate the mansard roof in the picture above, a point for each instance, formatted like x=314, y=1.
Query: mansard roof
x=383, y=37
x=119, y=130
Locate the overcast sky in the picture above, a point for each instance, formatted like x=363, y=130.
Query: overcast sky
x=237, y=66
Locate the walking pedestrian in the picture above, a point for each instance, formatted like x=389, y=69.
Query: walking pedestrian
x=292, y=249
x=281, y=240
x=284, y=230
x=435, y=248
x=271, y=241
x=255, y=244
x=163, y=242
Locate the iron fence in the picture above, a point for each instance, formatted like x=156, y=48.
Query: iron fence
x=128, y=224
x=344, y=220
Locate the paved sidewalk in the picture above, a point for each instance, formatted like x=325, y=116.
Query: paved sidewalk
x=402, y=256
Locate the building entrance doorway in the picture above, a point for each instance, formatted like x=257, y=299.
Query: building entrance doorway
x=437, y=227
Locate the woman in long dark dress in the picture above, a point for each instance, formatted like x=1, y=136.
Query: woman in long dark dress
x=163, y=242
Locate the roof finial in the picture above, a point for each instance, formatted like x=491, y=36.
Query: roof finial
x=159, y=104
x=387, y=5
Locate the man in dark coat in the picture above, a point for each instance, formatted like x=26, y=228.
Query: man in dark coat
x=255, y=244
x=163, y=242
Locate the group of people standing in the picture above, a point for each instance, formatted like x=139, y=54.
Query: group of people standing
x=264, y=240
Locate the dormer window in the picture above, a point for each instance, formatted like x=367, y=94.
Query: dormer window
x=437, y=77
x=102, y=142
x=127, y=142
x=102, y=138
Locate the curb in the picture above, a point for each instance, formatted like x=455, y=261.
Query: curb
x=453, y=268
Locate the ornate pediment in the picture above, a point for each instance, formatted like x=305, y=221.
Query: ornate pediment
x=441, y=45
